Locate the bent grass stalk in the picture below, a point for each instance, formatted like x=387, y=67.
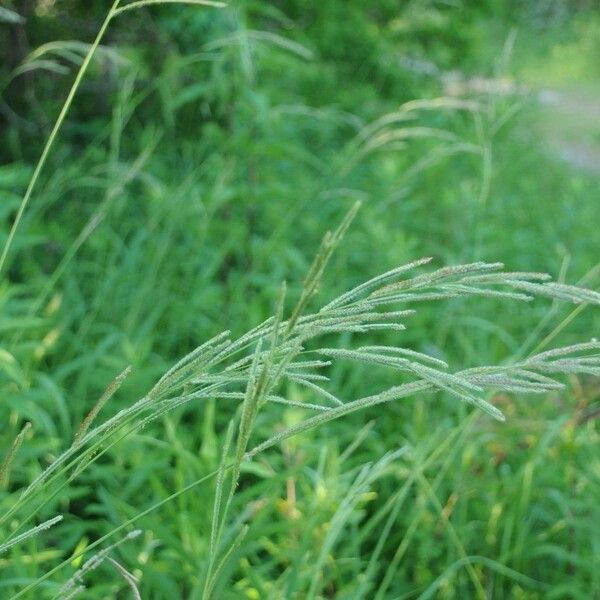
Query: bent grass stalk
x=54, y=133
x=114, y=10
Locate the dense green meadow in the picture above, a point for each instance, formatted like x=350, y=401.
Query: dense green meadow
x=202, y=154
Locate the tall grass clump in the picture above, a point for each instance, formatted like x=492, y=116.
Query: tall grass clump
x=254, y=371
x=243, y=384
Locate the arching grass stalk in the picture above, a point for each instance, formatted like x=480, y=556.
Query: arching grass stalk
x=115, y=10
x=54, y=132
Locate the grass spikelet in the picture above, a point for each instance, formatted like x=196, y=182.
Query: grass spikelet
x=566, y=350
x=406, y=352
x=375, y=282
x=30, y=533
x=559, y=291
x=73, y=593
x=191, y=360
x=8, y=460
x=93, y=563
x=315, y=388
x=112, y=388
x=315, y=273
x=457, y=386
x=428, y=279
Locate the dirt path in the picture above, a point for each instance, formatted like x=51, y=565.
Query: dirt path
x=572, y=126
x=570, y=116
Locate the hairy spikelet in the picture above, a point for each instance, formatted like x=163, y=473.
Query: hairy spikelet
x=311, y=283
x=374, y=283
x=8, y=460
x=106, y=396
x=76, y=580
x=191, y=362
x=18, y=539
x=315, y=388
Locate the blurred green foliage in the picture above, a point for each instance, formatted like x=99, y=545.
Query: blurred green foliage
x=204, y=157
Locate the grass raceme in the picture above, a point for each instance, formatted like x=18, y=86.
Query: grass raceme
x=255, y=369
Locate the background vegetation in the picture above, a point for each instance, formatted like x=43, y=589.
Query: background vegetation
x=206, y=153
